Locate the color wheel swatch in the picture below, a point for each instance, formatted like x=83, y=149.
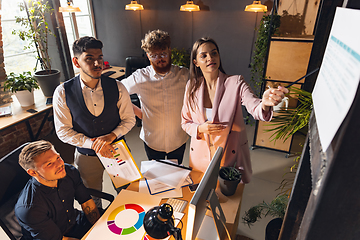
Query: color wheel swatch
x=125, y=231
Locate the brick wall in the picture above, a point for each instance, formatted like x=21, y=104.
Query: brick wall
x=14, y=136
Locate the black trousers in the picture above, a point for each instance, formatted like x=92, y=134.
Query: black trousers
x=176, y=154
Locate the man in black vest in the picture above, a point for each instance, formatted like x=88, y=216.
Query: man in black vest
x=91, y=111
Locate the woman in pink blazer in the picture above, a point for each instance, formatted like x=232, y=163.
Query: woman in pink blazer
x=212, y=113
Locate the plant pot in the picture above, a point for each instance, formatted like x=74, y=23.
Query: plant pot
x=228, y=187
x=273, y=228
x=25, y=98
x=48, y=81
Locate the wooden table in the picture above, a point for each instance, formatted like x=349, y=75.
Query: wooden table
x=119, y=72
x=231, y=206
x=22, y=114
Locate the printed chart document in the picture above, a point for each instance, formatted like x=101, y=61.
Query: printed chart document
x=124, y=218
x=339, y=75
x=121, y=168
x=168, y=174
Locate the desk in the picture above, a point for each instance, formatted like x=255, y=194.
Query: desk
x=20, y=114
x=230, y=205
x=119, y=72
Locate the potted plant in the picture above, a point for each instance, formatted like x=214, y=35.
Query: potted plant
x=276, y=209
x=180, y=57
x=229, y=178
x=22, y=86
x=37, y=32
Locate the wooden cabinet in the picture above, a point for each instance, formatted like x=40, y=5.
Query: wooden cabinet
x=288, y=61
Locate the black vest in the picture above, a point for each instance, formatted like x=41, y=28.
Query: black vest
x=83, y=121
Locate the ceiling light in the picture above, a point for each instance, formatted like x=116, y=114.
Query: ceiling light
x=256, y=6
x=69, y=8
x=134, y=6
x=190, y=7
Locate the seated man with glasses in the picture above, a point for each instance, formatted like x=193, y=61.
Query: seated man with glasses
x=160, y=88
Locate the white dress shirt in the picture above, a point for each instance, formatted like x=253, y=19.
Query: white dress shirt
x=94, y=100
x=161, y=98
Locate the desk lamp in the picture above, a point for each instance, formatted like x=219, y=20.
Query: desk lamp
x=159, y=224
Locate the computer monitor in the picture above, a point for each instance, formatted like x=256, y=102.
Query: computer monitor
x=205, y=195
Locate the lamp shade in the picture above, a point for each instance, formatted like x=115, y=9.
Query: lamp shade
x=256, y=6
x=134, y=6
x=69, y=8
x=190, y=7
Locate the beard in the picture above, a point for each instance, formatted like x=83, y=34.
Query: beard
x=92, y=76
x=163, y=69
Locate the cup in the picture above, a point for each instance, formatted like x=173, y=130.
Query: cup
x=283, y=105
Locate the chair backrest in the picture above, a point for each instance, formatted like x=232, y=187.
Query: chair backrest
x=13, y=179
x=134, y=63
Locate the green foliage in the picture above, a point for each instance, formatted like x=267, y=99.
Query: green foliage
x=276, y=209
x=289, y=178
x=180, y=57
x=18, y=82
x=288, y=122
x=261, y=46
x=230, y=173
x=37, y=30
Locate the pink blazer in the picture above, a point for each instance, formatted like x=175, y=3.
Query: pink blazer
x=231, y=93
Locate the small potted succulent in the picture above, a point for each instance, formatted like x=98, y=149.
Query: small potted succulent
x=22, y=85
x=229, y=178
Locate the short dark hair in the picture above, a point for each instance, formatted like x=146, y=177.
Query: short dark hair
x=82, y=44
x=32, y=150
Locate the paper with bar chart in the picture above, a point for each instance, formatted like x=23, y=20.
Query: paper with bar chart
x=121, y=168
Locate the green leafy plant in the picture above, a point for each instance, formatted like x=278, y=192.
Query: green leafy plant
x=276, y=209
x=261, y=47
x=180, y=57
x=230, y=173
x=288, y=122
x=19, y=82
x=289, y=178
x=37, y=30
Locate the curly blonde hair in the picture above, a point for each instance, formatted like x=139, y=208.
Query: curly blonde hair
x=155, y=40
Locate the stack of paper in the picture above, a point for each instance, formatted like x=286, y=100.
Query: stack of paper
x=5, y=111
x=164, y=178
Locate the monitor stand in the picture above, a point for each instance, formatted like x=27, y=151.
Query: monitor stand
x=207, y=227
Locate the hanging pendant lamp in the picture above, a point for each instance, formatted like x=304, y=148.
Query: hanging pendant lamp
x=134, y=6
x=256, y=6
x=69, y=8
x=190, y=7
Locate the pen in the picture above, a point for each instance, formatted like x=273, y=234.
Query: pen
x=175, y=165
x=313, y=71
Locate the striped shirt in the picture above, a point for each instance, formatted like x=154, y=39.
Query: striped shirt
x=161, y=98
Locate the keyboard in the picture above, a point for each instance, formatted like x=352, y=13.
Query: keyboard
x=177, y=204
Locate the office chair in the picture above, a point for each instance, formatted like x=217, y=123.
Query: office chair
x=13, y=179
x=132, y=64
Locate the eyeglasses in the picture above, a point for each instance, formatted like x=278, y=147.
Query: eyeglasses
x=160, y=55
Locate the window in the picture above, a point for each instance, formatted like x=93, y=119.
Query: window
x=78, y=24
x=16, y=59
